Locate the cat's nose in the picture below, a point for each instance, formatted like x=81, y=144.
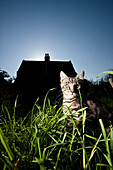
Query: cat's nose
x=72, y=89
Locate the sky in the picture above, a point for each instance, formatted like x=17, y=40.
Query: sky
x=76, y=30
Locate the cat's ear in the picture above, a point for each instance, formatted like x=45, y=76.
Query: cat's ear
x=62, y=76
x=81, y=75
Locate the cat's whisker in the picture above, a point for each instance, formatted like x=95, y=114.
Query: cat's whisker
x=60, y=98
x=59, y=91
x=59, y=95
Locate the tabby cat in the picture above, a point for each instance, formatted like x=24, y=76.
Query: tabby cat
x=71, y=101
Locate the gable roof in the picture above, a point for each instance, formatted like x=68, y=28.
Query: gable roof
x=37, y=77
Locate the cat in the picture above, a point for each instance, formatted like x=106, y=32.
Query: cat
x=71, y=100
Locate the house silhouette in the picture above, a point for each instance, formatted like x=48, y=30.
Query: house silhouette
x=35, y=78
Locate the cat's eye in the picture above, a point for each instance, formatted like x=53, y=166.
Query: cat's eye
x=67, y=82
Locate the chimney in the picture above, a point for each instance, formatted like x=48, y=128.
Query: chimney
x=47, y=57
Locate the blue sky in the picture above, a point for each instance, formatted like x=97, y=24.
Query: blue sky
x=76, y=30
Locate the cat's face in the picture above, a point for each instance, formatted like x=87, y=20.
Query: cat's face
x=70, y=85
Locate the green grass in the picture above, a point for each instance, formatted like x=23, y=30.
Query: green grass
x=43, y=139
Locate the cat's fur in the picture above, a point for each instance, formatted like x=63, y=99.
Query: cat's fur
x=71, y=100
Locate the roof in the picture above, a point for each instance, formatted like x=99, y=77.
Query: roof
x=37, y=77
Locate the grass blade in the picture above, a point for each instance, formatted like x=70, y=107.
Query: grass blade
x=108, y=158
x=111, y=141
x=108, y=72
x=6, y=145
x=94, y=149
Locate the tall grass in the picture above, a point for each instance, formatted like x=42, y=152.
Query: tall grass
x=43, y=139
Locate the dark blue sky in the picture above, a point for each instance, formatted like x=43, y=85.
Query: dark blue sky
x=76, y=30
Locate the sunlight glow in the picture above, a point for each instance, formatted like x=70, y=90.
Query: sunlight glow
x=40, y=57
